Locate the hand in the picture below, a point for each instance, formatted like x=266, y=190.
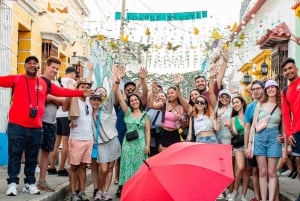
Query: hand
x=292, y=141
x=225, y=55
x=143, y=73
x=248, y=151
x=280, y=139
x=177, y=78
x=213, y=71
x=189, y=138
x=90, y=66
x=73, y=124
x=147, y=150
x=88, y=92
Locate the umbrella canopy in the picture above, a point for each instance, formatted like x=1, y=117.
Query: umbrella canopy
x=184, y=171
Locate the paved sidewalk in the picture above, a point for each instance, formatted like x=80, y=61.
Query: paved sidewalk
x=289, y=188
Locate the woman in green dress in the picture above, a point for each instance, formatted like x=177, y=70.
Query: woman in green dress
x=134, y=151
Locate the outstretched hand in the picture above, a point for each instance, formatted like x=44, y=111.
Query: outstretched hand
x=143, y=73
x=177, y=78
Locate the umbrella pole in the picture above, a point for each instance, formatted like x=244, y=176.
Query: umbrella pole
x=147, y=164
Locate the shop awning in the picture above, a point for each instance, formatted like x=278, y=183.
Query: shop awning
x=279, y=34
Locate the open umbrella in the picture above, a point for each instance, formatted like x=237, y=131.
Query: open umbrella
x=184, y=171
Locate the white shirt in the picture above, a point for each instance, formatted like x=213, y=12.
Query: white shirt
x=83, y=130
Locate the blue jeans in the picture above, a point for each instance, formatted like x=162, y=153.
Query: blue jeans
x=23, y=139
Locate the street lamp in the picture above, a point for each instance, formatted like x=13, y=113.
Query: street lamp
x=264, y=68
x=247, y=79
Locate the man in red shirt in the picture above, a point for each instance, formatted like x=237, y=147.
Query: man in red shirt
x=24, y=130
x=290, y=98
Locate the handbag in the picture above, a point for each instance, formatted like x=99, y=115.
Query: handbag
x=155, y=132
x=132, y=135
x=263, y=122
x=237, y=141
x=95, y=145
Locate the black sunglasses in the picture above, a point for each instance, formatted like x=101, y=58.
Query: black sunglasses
x=200, y=102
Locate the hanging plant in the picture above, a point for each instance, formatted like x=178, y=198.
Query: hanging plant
x=147, y=31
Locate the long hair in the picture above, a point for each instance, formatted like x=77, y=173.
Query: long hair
x=190, y=101
x=244, y=103
x=278, y=97
x=140, y=102
x=174, y=88
x=207, y=111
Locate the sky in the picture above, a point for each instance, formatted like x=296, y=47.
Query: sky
x=186, y=58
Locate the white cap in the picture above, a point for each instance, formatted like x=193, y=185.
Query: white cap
x=225, y=91
x=271, y=83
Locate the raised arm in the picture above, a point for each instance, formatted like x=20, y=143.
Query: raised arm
x=211, y=93
x=221, y=72
x=142, y=75
x=91, y=70
x=119, y=95
x=186, y=106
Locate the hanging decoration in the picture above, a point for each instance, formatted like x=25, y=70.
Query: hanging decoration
x=196, y=31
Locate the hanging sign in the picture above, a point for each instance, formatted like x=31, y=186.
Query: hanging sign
x=163, y=16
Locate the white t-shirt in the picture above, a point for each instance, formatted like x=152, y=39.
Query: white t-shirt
x=67, y=83
x=83, y=130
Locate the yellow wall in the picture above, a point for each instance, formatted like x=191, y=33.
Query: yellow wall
x=27, y=38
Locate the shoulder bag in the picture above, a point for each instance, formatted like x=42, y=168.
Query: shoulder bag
x=263, y=122
x=132, y=135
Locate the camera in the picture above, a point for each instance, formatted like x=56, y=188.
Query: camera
x=33, y=111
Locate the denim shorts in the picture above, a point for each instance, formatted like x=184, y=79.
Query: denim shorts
x=296, y=149
x=211, y=139
x=266, y=144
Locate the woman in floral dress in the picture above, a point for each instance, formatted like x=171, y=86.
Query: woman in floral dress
x=134, y=151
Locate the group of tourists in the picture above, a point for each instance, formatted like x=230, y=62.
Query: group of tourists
x=118, y=129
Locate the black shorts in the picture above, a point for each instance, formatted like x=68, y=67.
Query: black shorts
x=63, y=127
x=296, y=149
x=168, y=138
x=252, y=162
x=49, y=134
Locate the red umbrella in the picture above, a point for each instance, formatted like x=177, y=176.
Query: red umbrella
x=184, y=171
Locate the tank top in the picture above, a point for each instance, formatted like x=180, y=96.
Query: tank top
x=170, y=120
x=202, y=123
x=239, y=128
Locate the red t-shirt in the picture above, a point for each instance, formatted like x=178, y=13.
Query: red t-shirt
x=20, y=107
x=291, y=107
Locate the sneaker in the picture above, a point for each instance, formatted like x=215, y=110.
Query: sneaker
x=243, y=198
x=298, y=198
x=221, y=197
x=75, y=197
x=44, y=186
x=233, y=196
x=12, y=189
x=286, y=173
x=106, y=196
x=83, y=196
x=31, y=189
x=63, y=173
x=118, y=193
x=228, y=196
x=52, y=171
x=99, y=196
x=37, y=169
x=95, y=192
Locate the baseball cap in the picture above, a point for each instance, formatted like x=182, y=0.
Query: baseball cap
x=31, y=58
x=95, y=96
x=224, y=91
x=271, y=83
x=70, y=70
x=129, y=83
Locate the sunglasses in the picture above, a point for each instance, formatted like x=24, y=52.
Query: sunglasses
x=200, y=102
x=130, y=90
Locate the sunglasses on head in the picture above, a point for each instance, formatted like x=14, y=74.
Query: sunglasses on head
x=200, y=102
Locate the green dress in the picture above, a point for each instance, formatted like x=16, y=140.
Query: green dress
x=132, y=155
